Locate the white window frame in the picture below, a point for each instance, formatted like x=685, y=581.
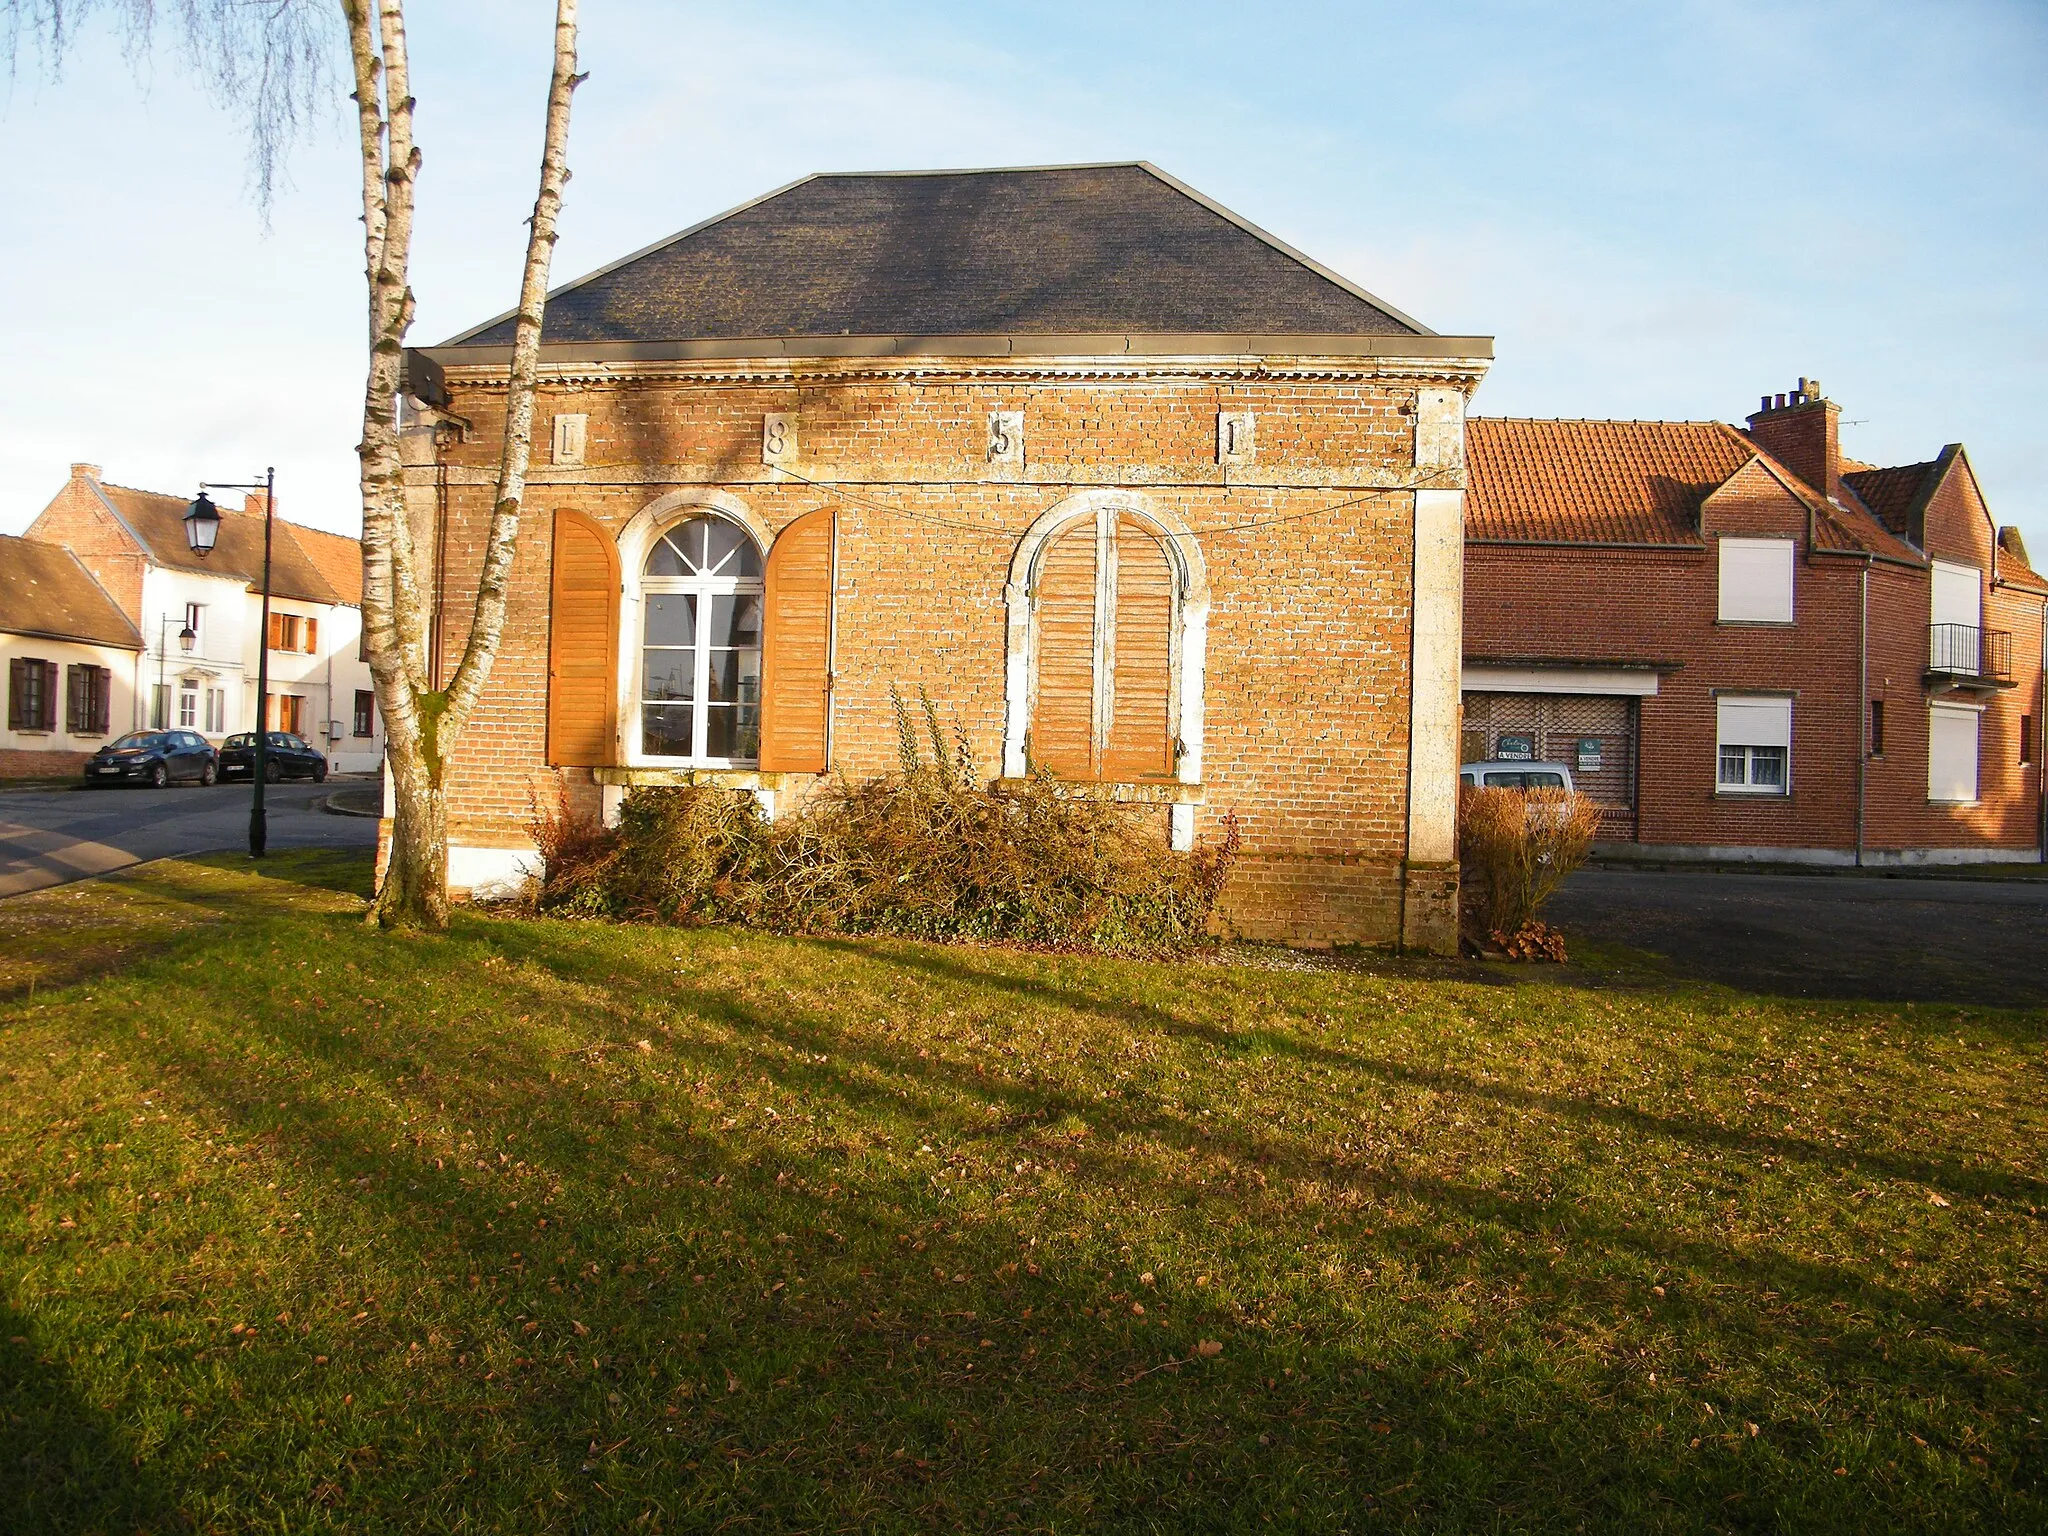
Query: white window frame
x=1752, y=588
x=1753, y=724
x=216, y=711
x=188, y=706
x=1952, y=714
x=195, y=620
x=636, y=540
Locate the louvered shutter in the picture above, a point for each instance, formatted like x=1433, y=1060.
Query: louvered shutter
x=583, y=644
x=17, y=695
x=103, y=688
x=1063, y=714
x=796, y=647
x=1140, y=731
x=312, y=637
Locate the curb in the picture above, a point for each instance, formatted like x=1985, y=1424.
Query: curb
x=2029, y=873
x=328, y=805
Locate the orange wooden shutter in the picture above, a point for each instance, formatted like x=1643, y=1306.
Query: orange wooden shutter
x=1140, y=732
x=796, y=648
x=312, y=636
x=1063, y=714
x=275, y=639
x=583, y=644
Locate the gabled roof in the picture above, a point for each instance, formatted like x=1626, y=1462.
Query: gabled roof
x=1893, y=494
x=1631, y=482
x=1057, y=250
x=45, y=591
x=158, y=524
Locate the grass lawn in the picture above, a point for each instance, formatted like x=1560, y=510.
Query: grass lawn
x=544, y=1226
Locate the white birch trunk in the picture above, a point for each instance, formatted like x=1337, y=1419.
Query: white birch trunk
x=423, y=722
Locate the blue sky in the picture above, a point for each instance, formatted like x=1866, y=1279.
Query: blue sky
x=1659, y=211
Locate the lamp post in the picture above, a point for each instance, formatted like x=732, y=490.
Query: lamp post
x=185, y=638
x=202, y=527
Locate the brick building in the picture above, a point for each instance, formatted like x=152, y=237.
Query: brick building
x=1751, y=647
x=1137, y=492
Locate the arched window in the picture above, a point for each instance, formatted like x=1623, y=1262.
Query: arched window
x=1108, y=606
x=700, y=645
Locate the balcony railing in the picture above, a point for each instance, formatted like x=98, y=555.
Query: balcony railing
x=1965, y=651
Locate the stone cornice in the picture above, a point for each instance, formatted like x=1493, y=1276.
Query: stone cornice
x=1460, y=372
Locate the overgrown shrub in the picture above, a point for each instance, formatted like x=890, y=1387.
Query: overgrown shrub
x=1514, y=847
x=928, y=852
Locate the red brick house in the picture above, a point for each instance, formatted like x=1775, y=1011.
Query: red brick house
x=1140, y=494
x=1750, y=647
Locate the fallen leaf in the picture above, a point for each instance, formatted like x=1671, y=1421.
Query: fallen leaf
x=1209, y=1349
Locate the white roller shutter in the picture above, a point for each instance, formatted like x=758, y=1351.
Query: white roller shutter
x=1753, y=722
x=1952, y=753
x=1756, y=581
x=1958, y=592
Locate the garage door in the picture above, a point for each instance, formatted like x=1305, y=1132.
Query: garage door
x=1594, y=735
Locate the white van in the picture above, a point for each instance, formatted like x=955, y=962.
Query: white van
x=1507, y=773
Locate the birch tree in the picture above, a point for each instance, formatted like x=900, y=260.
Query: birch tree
x=270, y=59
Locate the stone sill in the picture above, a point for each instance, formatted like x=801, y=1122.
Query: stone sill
x=1754, y=796
x=1152, y=792
x=720, y=778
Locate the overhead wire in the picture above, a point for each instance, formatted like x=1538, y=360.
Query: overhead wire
x=877, y=504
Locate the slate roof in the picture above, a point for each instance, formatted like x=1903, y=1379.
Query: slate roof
x=159, y=522
x=1630, y=482
x=1058, y=250
x=44, y=590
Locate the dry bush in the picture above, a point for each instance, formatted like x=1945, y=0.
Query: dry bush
x=927, y=852
x=1514, y=847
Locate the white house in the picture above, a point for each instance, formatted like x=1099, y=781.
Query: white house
x=71, y=657
x=199, y=619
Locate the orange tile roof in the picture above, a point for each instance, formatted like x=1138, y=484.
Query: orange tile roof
x=336, y=556
x=1889, y=493
x=1629, y=482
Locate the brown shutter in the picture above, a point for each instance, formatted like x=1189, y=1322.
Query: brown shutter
x=49, y=695
x=275, y=640
x=17, y=695
x=1140, y=730
x=796, y=648
x=1063, y=713
x=102, y=699
x=583, y=644
x=312, y=636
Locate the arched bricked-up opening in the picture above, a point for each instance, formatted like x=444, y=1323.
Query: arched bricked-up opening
x=583, y=626
x=796, y=663
x=1108, y=616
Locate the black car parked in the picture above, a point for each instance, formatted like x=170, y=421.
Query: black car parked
x=285, y=756
x=154, y=758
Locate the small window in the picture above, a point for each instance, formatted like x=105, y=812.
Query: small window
x=1756, y=581
x=188, y=708
x=86, y=708
x=366, y=712
x=216, y=710
x=1753, y=739
x=2026, y=738
x=1877, y=727
x=195, y=620
x=1952, y=754
x=31, y=694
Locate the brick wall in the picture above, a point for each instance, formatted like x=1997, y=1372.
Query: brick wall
x=1307, y=694
x=16, y=763
x=1659, y=605
x=79, y=520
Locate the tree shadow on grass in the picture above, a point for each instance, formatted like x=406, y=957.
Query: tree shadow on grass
x=63, y=1467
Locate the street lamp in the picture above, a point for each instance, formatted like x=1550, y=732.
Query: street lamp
x=186, y=637
x=202, y=527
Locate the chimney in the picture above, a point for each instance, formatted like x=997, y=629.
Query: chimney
x=1802, y=431
x=85, y=471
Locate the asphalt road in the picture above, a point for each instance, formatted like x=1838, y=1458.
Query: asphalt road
x=1886, y=940
x=50, y=836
